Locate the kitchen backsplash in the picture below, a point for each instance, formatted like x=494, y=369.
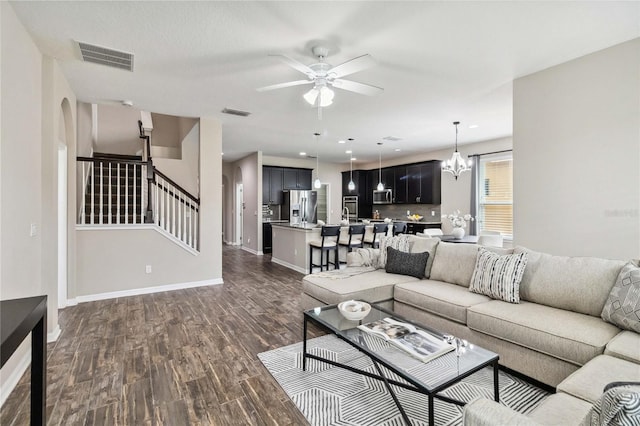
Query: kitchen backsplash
x=431, y=212
x=270, y=212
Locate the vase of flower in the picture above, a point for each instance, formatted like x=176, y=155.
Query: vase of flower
x=458, y=222
x=458, y=233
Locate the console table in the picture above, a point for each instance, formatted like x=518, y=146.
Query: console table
x=18, y=318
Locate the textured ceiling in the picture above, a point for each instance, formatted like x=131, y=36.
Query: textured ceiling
x=437, y=61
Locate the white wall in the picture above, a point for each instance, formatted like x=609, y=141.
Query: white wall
x=576, y=156
x=183, y=171
x=118, y=131
x=33, y=90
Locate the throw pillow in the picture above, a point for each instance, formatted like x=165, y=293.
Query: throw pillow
x=498, y=276
x=399, y=242
x=618, y=405
x=412, y=264
x=622, y=308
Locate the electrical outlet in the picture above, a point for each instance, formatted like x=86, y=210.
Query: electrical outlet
x=295, y=252
x=147, y=269
x=33, y=231
x=248, y=240
x=433, y=213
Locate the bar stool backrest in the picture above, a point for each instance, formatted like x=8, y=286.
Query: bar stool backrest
x=329, y=232
x=380, y=228
x=399, y=228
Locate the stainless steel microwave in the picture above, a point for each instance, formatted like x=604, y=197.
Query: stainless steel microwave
x=382, y=197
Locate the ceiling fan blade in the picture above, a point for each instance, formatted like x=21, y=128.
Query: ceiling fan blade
x=295, y=64
x=353, y=86
x=282, y=85
x=352, y=66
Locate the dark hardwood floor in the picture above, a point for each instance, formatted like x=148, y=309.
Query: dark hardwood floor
x=174, y=358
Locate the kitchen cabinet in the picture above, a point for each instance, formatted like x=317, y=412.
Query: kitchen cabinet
x=418, y=183
x=419, y=227
x=267, y=238
x=272, y=185
x=297, y=178
x=388, y=178
x=361, y=179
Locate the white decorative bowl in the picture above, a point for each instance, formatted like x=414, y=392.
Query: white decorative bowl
x=366, y=222
x=354, y=310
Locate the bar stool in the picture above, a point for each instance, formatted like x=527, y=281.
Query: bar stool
x=378, y=229
x=399, y=228
x=356, y=238
x=327, y=244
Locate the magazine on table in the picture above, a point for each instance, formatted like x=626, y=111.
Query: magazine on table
x=416, y=342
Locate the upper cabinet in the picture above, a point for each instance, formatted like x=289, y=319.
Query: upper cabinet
x=418, y=183
x=272, y=185
x=297, y=178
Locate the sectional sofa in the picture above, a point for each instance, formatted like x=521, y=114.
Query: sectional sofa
x=555, y=334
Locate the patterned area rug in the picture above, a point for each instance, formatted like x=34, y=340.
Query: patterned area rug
x=328, y=395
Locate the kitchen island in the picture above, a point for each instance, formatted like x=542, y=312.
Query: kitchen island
x=290, y=245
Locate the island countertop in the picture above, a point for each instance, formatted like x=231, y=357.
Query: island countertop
x=305, y=227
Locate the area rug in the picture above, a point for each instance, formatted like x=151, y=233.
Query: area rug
x=328, y=395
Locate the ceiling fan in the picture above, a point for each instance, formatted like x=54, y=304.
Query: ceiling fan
x=324, y=76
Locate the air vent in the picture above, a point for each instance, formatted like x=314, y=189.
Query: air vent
x=236, y=112
x=104, y=56
x=391, y=138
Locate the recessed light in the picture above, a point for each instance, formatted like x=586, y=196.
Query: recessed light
x=473, y=126
x=397, y=150
x=353, y=158
x=342, y=141
x=303, y=153
x=127, y=103
x=222, y=153
x=348, y=151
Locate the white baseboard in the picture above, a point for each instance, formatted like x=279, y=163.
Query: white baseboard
x=53, y=336
x=146, y=290
x=289, y=265
x=250, y=250
x=13, y=379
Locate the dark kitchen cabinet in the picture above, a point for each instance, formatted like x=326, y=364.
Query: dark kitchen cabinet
x=266, y=237
x=272, y=181
x=400, y=185
x=419, y=184
x=297, y=179
x=388, y=179
x=360, y=179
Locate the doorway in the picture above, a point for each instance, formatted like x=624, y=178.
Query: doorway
x=62, y=226
x=239, y=213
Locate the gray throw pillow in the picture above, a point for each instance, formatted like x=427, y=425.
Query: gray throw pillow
x=399, y=242
x=622, y=308
x=498, y=276
x=412, y=264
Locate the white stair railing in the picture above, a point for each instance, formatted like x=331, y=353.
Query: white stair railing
x=116, y=192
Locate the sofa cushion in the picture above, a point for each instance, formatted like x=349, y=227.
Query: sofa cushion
x=567, y=335
x=588, y=382
x=626, y=345
x=557, y=280
x=443, y=299
x=419, y=245
x=622, y=307
x=498, y=276
x=454, y=263
x=399, y=242
x=560, y=409
x=337, y=286
x=412, y=264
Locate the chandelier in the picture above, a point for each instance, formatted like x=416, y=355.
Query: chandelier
x=456, y=165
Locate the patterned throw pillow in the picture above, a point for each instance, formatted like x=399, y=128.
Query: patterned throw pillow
x=622, y=308
x=498, y=276
x=619, y=405
x=399, y=242
x=412, y=264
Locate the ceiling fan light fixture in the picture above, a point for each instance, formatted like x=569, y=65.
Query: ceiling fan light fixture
x=326, y=96
x=311, y=96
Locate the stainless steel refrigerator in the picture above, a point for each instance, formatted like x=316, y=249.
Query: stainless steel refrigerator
x=300, y=206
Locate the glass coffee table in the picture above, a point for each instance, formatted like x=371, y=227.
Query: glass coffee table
x=428, y=378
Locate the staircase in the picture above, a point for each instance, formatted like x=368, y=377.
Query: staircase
x=127, y=190
x=113, y=190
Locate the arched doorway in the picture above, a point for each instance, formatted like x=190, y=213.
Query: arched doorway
x=64, y=140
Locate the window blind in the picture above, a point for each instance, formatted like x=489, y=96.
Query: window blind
x=495, y=194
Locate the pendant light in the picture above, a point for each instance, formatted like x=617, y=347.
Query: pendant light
x=456, y=165
x=380, y=186
x=317, y=184
x=351, y=185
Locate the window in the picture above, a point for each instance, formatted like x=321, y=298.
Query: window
x=495, y=193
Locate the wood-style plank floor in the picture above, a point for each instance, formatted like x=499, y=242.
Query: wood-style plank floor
x=174, y=358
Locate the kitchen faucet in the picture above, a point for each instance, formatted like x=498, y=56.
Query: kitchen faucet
x=343, y=210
